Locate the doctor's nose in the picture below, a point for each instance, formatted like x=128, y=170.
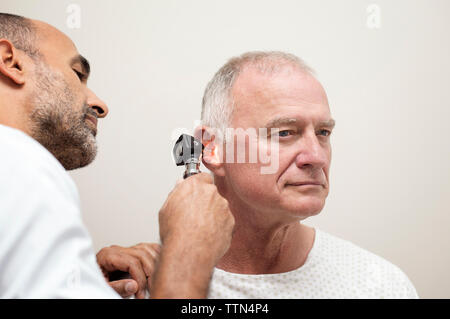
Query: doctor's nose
x=97, y=104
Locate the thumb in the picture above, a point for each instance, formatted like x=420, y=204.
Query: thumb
x=125, y=288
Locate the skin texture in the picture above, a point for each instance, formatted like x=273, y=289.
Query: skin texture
x=46, y=97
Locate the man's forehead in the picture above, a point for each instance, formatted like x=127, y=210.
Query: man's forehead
x=262, y=94
x=288, y=82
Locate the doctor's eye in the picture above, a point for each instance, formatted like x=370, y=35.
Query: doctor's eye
x=80, y=75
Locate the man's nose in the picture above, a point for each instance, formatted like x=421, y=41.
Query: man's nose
x=311, y=153
x=97, y=104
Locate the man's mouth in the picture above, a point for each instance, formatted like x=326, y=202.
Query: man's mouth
x=92, y=119
x=307, y=183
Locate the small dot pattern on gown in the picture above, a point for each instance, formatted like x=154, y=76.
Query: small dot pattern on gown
x=334, y=268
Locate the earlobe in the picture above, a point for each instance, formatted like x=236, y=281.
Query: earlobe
x=10, y=63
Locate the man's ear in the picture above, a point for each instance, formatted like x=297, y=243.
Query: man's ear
x=11, y=65
x=212, y=153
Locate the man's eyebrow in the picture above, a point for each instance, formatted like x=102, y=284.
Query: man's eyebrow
x=329, y=124
x=83, y=62
x=280, y=121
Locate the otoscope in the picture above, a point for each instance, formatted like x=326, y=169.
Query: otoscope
x=187, y=151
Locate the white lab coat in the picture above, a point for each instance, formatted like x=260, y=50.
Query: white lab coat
x=45, y=249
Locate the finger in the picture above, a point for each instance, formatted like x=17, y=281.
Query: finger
x=146, y=258
x=155, y=254
x=137, y=272
x=156, y=247
x=153, y=249
x=125, y=288
x=132, y=265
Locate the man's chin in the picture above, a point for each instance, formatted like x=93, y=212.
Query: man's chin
x=305, y=207
x=74, y=157
x=80, y=162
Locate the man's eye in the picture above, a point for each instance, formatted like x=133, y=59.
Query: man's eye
x=324, y=132
x=285, y=133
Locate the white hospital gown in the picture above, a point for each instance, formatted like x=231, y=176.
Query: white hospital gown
x=335, y=268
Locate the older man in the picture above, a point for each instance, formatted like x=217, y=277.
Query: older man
x=48, y=124
x=271, y=103
x=272, y=253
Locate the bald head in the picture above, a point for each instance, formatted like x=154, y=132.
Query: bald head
x=218, y=99
x=28, y=35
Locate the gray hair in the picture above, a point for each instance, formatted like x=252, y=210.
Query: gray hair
x=218, y=103
x=20, y=31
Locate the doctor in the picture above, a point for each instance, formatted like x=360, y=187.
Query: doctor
x=48, y=124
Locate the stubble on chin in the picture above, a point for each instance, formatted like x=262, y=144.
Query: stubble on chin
x=70, y=140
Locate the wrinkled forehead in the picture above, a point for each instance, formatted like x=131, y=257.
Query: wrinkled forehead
x=52, y=43
x=287, y=81
x=258, y=94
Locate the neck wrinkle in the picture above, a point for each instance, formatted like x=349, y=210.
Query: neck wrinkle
x=259, y=248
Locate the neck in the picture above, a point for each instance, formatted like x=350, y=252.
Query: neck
x=261, y=248
x=12, y=113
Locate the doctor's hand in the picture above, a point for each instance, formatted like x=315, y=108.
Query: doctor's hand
x=196, y=226
x=133, y=265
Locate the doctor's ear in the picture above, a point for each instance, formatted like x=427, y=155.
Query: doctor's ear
x=213, y=149
x=11, y=63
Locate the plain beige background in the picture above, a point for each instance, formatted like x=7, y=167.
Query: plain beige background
x=388, y=87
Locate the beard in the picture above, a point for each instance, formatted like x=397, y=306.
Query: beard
x=58, y=123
